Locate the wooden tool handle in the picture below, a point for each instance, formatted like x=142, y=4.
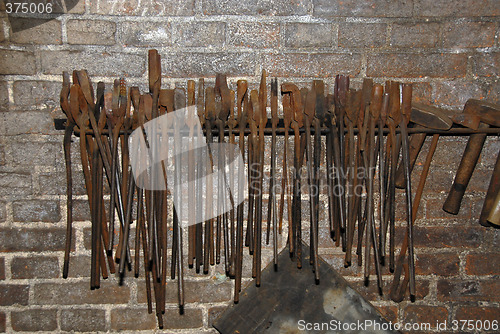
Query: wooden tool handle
x=491, y=193
x=494, y=216
x=464, y=173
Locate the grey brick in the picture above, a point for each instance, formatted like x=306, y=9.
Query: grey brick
x=83, y=320
x=256, y=7
x=36, y=210
x=24, y=122
x=94, y=32
x=79, y=266
x=11, y=294
x=35, y=267
x=362, y=35
x=2, y=32
x=143, y=8
x=204, y=34
x=415, y=35
x=469, y=34
x=35, y=240
x=36, y=93
x=254, y=34
x=456, y=92
x=458, y=8
x=34, y=320
x=208, y=64
x=4, y=96
x=79, y=293
x=25, y=153
x=55, y=183
x=2, y=268
x=303, y=35
x=2, y=322
x=314, y=65
x=3, y=213
x=363, y=8
x=102, y=64
x=12, y=184
x=486, y=64
x=145, y=33
x=17, y=62
x=35, y=31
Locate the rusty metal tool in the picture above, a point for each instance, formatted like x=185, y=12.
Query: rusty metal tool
x=242, y=106
x=340, y=97
x=70, y=124
x=200, y=105
x=296, y=124
x=397, y=290
x=191, y=122
x=494, y=215
x=330, y=173
x=405, y=113
x=272, y=214
x=285, y=190
x=379, y=101
x=319, y=115
x=309, y=109
x=209, y=231
x=232, y=123
x=253, y=108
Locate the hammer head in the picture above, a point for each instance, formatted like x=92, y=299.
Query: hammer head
x=430, y=117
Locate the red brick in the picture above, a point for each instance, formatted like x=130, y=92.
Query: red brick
x=35, y=267
x=435, y=210
x=369, y=8
x=79, y=293
x=425, y=314
x=457, y=8
x=209, y=291
x=446, y=237
x=362, y=35
x=307, y=35
x=486, y=64
x=254, y=34
x=2, y=322
x=132, y=319
x=34, y=320
x=469, y=34
x=35, y=240
x=191, y=318
x=3, y=214
x=370, y=292
x=83, y=320
x=411, y=65
x=439, y=180
x=480, y=313
x=483, y=264
x=415, y=35
x=468, y=290
x=441, y=264
x=11, y=294
x=390, y=313
x=315, y=65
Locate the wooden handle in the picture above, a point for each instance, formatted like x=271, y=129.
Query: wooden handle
x=494, y=216
x=464, y=173
x=416, y=142
x=491, y=193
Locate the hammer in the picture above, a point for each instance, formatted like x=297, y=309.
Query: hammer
x=489, y=114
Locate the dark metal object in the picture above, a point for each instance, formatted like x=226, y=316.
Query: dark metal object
x=292, y=296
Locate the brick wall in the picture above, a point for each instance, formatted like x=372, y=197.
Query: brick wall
x=449, y=49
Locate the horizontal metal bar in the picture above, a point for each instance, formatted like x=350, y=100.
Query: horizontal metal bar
x=454, y=131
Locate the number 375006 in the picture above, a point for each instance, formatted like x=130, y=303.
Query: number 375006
x=28, y=8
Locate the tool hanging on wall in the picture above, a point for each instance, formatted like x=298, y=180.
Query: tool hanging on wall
x=363, y=129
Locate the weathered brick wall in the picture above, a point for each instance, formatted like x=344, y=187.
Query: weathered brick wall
x=449, y=49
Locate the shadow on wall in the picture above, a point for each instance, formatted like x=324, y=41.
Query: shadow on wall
x=17, y=10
